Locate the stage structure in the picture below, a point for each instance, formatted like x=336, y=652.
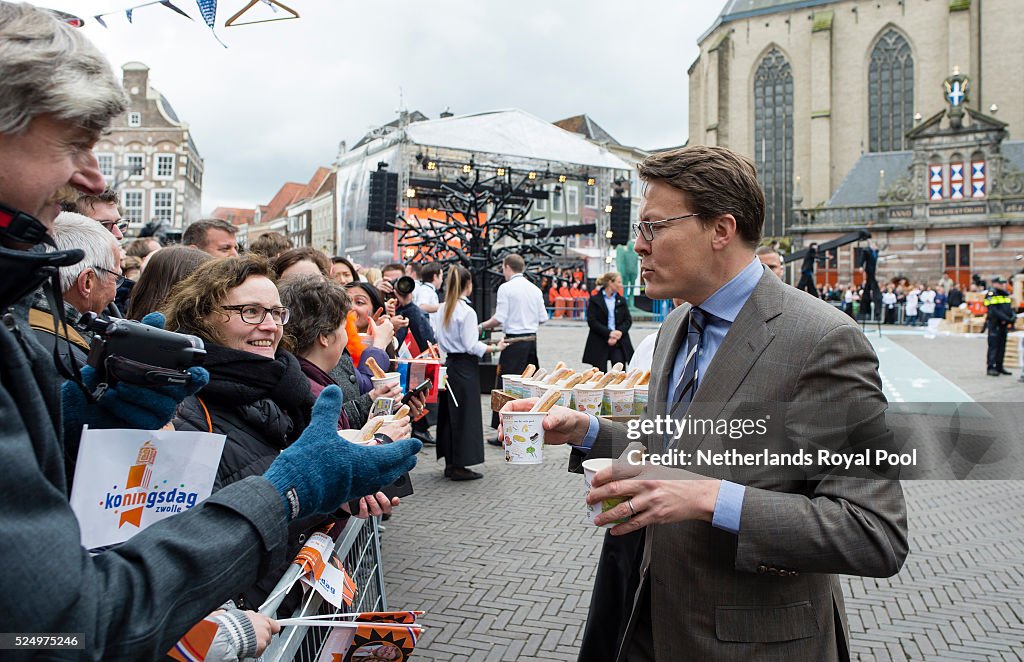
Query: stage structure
x=474, y=215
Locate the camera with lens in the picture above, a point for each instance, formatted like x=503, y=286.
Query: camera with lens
x=135, y=353
x=404, y=285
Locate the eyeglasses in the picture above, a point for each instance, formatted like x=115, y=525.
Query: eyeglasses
x=646, y=228
x=252, y=314
x=120, y=278
x=109, y=225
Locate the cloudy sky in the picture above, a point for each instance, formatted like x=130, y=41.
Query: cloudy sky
x=274, y=105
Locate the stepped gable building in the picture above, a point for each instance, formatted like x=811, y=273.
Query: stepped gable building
x=149, y=155
x=893, y=118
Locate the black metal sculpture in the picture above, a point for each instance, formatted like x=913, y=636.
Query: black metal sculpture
x=486, y=217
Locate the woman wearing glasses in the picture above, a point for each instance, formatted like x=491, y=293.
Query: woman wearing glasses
x=258, y=395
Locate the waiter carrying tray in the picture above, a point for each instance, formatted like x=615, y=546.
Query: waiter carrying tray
x=520, y=312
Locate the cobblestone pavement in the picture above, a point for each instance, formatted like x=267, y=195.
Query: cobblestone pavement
x=504, y=565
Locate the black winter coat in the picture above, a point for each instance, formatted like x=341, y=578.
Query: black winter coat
x=262, y=406
x=596, y=351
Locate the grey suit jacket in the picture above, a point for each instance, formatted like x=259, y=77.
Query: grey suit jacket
x=770, y=592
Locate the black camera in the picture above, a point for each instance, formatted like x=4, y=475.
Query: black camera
x=135, y=353
x=404, y=285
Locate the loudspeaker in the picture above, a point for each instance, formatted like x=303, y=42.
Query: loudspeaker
x=620, y=221
x=383, y=201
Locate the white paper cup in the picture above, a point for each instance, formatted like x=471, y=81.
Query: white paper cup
x=640, y=400
x=353, y=437
x=617, y=401
x=591, y=467
x=388, y=379
x=523, y=436
x=536, y=389
x=588, y=400
x=510, y=383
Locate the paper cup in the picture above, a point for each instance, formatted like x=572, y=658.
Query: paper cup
x=640, y=400
x=523, y=436
x=617, y=402
x=353, y=437
x=510, y=383
x=588, y=400
x=536, y=389
x=388, y=379
x=591, y=467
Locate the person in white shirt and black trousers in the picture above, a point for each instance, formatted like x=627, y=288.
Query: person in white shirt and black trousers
x=519, y=311
x=460, y=434
x=609, y=321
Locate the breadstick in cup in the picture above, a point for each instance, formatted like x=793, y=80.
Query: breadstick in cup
x=548, y=400
x=371, y=363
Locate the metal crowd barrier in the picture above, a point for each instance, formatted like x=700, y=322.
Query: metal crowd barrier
x=359, y=547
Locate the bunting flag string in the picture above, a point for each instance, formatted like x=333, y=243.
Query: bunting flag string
x=128, y=12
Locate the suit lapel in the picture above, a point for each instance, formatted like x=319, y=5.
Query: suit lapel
x=747, y=338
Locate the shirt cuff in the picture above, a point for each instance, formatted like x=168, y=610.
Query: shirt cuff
x=728, y=507
x=591, y=436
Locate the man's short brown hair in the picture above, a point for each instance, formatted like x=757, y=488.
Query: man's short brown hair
x=270, y=244
x=716, y=181
x=515, y=262
x=85, y=203
x=195, y=234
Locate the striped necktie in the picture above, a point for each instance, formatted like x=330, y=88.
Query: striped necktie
x=687, y=384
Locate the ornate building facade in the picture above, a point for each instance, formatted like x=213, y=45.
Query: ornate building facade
x=150, y=157
x=877, y=116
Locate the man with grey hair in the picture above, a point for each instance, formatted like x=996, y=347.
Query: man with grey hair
x=135, y=600
x=88, y=286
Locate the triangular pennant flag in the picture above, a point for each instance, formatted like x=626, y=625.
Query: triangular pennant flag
x=194, y=646
x=170, y=5
x=208, y=8
x=128, y=13
x=99, y=19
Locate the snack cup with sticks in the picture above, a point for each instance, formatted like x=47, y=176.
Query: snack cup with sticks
x=588, y=400
x=535, y=389
x=355, y=437
x=388, y=379
x=640, y=400
x=523, y=436
x=510, y=383
x=591, y=467
x=617, y=401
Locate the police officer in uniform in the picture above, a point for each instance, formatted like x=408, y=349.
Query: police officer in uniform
x=998, y=321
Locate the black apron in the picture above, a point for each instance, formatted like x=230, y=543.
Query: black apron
x=460, y=430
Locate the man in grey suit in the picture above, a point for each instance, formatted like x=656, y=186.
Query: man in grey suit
x=740, y=562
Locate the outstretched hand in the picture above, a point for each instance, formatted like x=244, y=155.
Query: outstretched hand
x=321, y=471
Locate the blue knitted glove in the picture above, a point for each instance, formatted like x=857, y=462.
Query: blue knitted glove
x=125, y=405
x=321, y=471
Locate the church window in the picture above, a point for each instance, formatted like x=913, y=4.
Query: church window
x=773, y=139
x=890, y=93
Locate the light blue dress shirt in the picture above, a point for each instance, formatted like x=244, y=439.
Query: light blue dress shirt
x=609, y=302
x=722, y=307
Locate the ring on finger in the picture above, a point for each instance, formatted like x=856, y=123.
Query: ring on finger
x=632, y=510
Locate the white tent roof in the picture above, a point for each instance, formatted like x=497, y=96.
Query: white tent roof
x=512, y=133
